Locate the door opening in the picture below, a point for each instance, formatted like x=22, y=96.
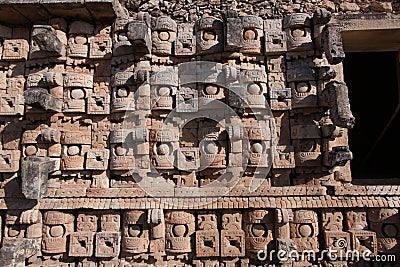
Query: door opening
x=373, y=83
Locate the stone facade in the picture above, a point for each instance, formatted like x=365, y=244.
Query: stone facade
x=181, y=134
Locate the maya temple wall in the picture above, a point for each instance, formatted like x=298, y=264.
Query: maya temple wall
x=185, y=133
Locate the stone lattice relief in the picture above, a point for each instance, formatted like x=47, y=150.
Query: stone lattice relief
x=149, y=141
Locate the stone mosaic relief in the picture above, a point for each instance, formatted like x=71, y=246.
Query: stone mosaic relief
x=84, y=113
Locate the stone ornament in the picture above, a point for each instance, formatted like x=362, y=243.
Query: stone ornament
x=103, y=161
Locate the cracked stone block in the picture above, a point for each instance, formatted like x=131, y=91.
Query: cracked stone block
x=34, y=176
x=15, y=250
x=41, y=97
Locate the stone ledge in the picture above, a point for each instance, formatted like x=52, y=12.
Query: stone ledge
x=359, y=190
x=197, y=203
x=362, y=22
x=282, y=192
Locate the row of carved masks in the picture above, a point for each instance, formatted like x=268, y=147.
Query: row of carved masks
x=71, y=92
x=293, y=35
x=206, y=36
x=381, y=234
x=209, y=148
x=138, y=233
x=107, y=240
x=227, y=235
x=78, y=40
x=85, y=40
x=232, y=240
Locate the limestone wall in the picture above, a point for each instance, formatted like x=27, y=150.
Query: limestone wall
x=129, y=138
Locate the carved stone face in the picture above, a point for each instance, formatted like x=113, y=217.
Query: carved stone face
x=180, y=227
x=305, y=223
x=163, y=35
x=298, y=32
x=209, y=35
x=136, y=232
x=122, y=99
x=252, y=33
x=162, y=149
x=356, y=220
x=57, y=226
x=162, y=87
x=78, y=46
x=255, y=87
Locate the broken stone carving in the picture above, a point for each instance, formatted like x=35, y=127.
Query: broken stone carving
x=100, y=166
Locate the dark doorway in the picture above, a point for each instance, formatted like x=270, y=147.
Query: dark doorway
x=372, y=79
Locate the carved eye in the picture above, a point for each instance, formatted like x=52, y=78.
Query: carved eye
x=164, y=91
x=134, y=230
x=256, y=148
x=258, y=229
x=303, y=87
x=122, y=37
x=30, y=150
x=210, y=147
x=211, y=90
x=298, y=32
x=250, y=34
x=77, y=94
x=164, y=35
x=120, y=151
x=390, y=230
x=254, y=89
x=80, y=39
x=179, y=230
x=163, y=149
x=305, y=230
x=13, y=231
x=209, y=35
x=73, y=150
x=307, y=145
x=57, y=231
x=122, y=92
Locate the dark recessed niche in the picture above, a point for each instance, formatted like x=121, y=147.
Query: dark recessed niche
x=372, y=79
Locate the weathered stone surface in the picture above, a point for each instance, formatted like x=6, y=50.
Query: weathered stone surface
x=332, y=44
x=233, y=34
x=139, y=34
x=174, y=134
x=336, y=94
x=346, y=6
x=382, y=6
x=46, y=38
x=15, y=251
x=34, y=175
x=41, y=97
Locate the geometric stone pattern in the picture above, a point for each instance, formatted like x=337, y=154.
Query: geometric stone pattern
x=96, y=172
